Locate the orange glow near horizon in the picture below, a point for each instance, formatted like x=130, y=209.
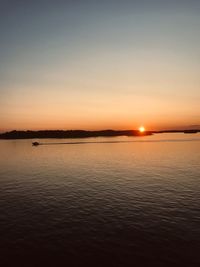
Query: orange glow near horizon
x=142, y=129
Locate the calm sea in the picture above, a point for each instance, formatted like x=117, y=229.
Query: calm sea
x=130, y=203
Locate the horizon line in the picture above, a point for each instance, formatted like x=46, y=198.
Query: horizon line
x=120, y=130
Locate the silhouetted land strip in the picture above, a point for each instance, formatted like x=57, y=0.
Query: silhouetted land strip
x=190, y=131
x=82, y=134
x=69, y=134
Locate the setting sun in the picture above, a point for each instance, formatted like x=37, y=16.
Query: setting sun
x=141, y=129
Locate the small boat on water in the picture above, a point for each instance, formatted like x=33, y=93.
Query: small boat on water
x=35, y=144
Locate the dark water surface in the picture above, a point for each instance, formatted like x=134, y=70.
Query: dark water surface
x=101, y=204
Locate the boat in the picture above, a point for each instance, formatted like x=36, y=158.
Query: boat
x=35, y=144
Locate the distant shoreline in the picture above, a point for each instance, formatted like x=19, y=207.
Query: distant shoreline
x=61, y=134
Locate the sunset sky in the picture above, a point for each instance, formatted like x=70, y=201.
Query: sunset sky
x=99, y=64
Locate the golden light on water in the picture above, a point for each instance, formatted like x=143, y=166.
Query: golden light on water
x=142, y=129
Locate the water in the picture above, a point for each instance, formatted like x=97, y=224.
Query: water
x=135, y=203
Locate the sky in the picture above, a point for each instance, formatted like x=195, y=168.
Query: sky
x=99, y=64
